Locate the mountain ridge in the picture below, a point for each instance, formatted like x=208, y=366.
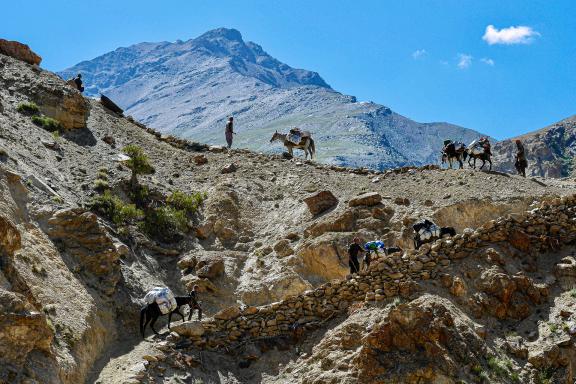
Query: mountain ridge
x=189, y=88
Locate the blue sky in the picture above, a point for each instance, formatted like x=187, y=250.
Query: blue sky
x=426, y=59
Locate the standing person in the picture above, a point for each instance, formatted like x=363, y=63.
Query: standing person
x=78, y=82
x=194, y=303
x=229, y=131
x=521, y=163
x=353, y=250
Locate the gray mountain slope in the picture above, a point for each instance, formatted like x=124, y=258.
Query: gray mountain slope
x=189, y=89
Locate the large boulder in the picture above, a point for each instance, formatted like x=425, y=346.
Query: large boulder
x=189, y=329
x=228, y=313
x=367, y=199
x=320, y=202
x=19, y=51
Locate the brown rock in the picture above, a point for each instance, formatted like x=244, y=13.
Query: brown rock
x=19, y=51
x=228, y=313
x=230, y=168
x=519, y=240
x=22, y=330
x=200, y=159
x=320, y=202
x=189, y=329
x=367, y=199
x=283, y=248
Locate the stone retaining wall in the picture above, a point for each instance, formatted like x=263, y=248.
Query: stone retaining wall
x=549, y=226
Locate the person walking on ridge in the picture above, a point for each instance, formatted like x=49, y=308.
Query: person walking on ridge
x=229, y=131
x=353, y=250
x=521, y=163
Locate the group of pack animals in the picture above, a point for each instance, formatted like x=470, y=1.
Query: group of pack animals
x=450, y=153
x=458, y=152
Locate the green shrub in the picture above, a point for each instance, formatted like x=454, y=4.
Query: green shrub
x=165, y=223
x=102, y=175
x=28, y=109
x=139, y=195
x=115, y=209
x=138, y=163
x=186, y=202
x=47, y=123
x=101, y=185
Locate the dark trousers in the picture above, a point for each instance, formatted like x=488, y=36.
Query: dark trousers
x=354, y=265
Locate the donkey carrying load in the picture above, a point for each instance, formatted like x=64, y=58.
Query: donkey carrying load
x=161, y=301
x=296, y=139
x=426, y=232
x=453, y=151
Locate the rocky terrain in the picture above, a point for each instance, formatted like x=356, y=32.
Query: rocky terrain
x=550, y=151
x=267, y=246
x=189, y=88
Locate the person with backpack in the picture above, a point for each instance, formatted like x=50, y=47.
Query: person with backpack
x=353, y=250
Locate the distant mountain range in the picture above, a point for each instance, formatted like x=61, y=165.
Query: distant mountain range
x=189, y=88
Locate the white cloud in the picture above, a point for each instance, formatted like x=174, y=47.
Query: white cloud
x=419, y=53
x=511, y=35
x=464, y=60
x=487, y=61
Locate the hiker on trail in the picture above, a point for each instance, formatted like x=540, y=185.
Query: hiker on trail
x=229, y=131
x=194, y=303
x=78, y=82
x=353, y=250
x=521, y=163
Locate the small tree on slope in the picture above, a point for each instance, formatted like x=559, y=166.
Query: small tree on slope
x=138, y=163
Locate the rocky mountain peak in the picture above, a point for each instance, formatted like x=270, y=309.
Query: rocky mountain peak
x=229, y=34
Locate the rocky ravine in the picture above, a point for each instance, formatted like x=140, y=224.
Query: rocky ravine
x=71, y=282
x=189, y=88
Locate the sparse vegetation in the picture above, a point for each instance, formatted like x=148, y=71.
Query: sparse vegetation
x=28, y=109
x=545, y=376
x=47, y=123
x=553, y=327
x=101, y=185
x=186, y=202
x=502, y=367
x=138, y=163
x=115, y=209
x=573, y=292
x=57, y=200
x=165, y=223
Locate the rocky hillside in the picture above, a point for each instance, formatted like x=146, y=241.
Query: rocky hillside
x=189, y=88
x=550, y=151
x=266, y=243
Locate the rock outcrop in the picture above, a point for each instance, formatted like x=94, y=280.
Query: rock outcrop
x=19, y=51
x=83, y=236
x=320, y=202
